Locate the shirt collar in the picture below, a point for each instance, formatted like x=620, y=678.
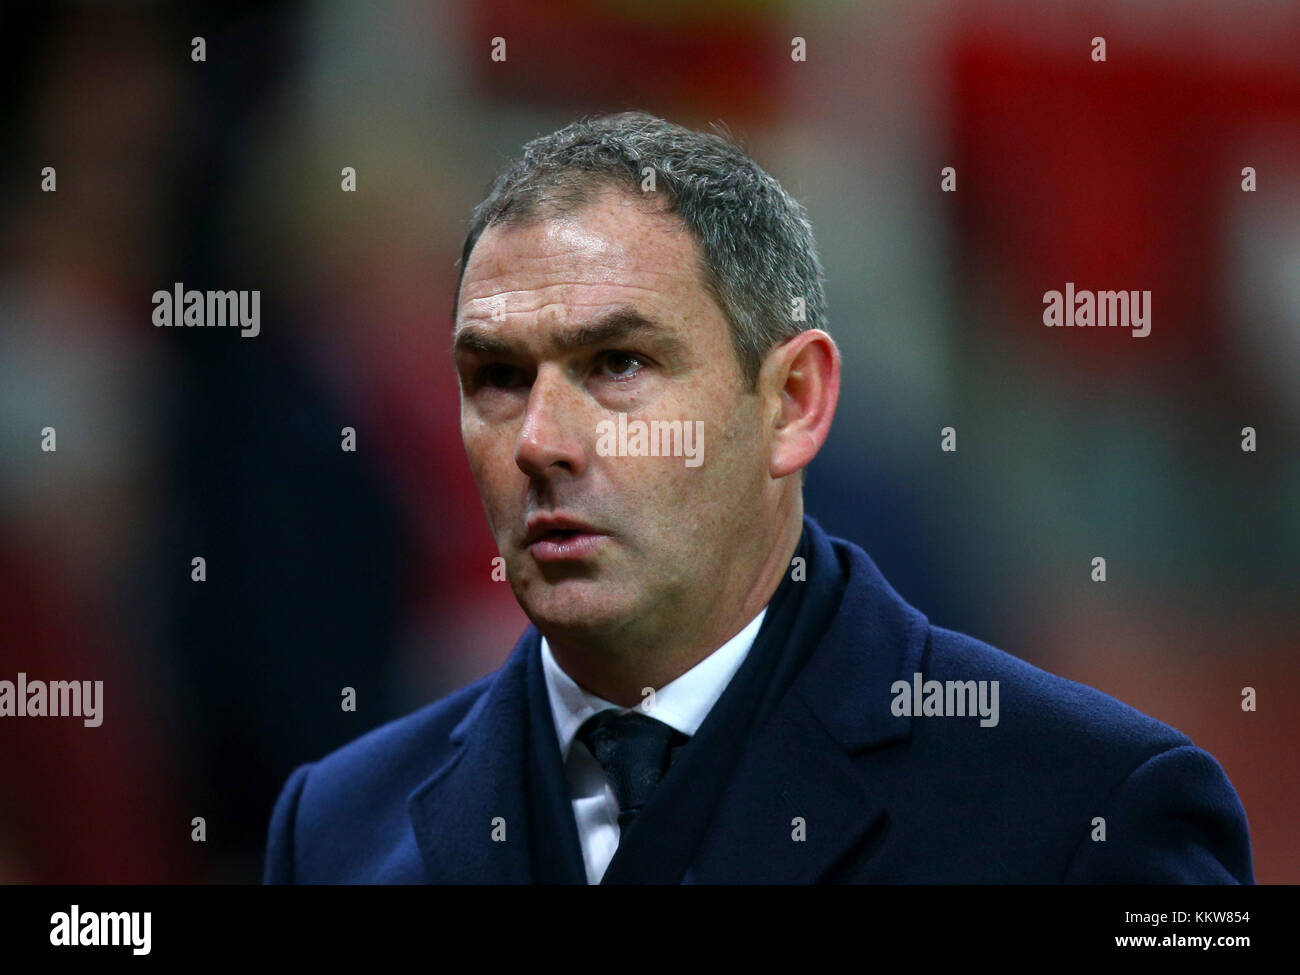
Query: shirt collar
x=682, y=703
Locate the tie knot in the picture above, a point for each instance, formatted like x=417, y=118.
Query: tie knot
x=635, y=751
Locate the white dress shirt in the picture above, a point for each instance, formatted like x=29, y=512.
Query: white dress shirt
x=682, y=703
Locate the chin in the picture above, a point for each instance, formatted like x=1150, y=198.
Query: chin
x=575, y=607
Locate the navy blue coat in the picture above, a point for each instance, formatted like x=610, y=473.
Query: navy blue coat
x=833, y=786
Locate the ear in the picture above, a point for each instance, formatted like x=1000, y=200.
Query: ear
x=801, y=380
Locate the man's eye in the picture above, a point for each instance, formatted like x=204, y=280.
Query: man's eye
x=499, y=375
x=621, y=365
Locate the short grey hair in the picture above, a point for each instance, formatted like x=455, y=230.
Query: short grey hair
x=756, y=243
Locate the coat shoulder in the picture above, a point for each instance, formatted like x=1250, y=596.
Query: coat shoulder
x=344, y=817
x=410, y=745
x=1054, y=709
x=1062, y=752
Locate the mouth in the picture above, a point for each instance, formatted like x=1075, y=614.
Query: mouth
x=553, y=539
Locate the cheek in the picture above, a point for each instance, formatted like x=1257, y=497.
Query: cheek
x=489, y=450
x=478, y=466
x=494, y=487
x=734, y=461
x=668, y=487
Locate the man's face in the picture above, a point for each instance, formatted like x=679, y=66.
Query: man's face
x=564, y=324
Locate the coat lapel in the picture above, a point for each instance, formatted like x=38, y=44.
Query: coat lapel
x=801, y=807
x=483, y=788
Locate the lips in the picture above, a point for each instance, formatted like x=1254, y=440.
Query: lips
x=556, y=528
x=553, y=538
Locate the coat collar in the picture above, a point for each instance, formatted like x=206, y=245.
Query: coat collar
x=805, y=764
x=807, y=774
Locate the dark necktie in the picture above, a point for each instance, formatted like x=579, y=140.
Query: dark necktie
x=635, y=751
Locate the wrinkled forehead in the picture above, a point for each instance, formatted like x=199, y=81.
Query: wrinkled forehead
x=615, y=250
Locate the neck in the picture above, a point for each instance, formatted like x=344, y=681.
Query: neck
x=620, y=669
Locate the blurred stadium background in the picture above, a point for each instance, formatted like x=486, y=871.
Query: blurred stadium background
x=328, y=569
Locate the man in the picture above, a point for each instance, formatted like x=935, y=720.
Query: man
x=713, y=690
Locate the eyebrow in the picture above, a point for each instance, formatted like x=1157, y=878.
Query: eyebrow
x=622, y=323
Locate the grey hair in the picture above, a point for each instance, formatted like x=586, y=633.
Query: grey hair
x=756, y=244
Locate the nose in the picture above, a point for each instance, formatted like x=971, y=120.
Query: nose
x=549, y=437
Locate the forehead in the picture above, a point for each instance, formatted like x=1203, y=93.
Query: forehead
x=616, y=250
